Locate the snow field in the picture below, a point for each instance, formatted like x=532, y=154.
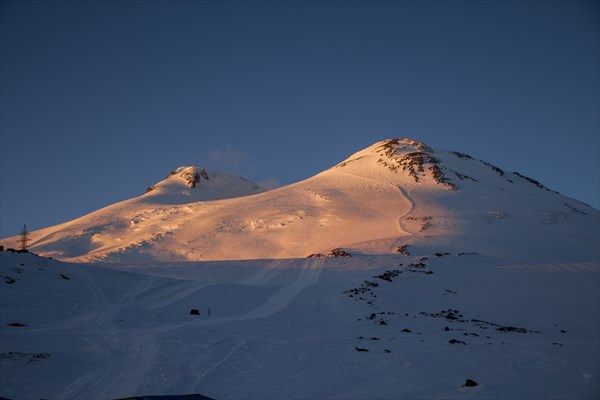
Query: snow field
x=289, y=329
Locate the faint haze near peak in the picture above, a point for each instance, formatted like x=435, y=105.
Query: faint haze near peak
x=230, y=156
x=99, y=100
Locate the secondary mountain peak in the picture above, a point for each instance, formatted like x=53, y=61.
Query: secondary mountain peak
x=193, y=183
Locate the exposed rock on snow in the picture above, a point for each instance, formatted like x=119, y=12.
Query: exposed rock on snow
x=191, y=176
x=470, y=383
x=403, y=250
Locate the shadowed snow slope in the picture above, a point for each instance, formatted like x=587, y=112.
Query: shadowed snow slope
x=368, y=326
x=396, y=192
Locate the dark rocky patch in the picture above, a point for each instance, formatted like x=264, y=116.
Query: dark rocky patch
x=18, y=251
x=361, y=349
x=426, y=222
x=464, y=156
x=191, y=176
x=413, y=162
x=406, y=330
x=16, y=324
x=511, y=329
x=418, y=265
x=418, y=218
x=455, y=341
x=365, y=289
x=464, y=177
x=339, y=253
x=450, y=314
x=501, y=328
x=388, y=275
x=532, y=181
x=482, y=324
x=441, y=254
x=64, y=277
x=8, y=280
x=421, y=272
x=470, y=383
x=316, y=255
x=494, y=168
x=403, y=250
x=194, y=311
x=439, y=177
x=204, y=174
x=17, y=355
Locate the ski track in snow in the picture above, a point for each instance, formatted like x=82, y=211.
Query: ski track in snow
x=107, y=373
x=121, y=359
x=203, y=375
x=401, y=226
x=311, y=270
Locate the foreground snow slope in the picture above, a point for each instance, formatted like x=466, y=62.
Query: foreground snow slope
x=392, y=193
x=379, y=326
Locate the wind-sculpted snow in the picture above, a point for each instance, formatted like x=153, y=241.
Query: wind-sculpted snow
x=394, y=193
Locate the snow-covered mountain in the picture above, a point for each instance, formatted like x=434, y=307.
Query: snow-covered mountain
x=465, y=281
x=394, y=193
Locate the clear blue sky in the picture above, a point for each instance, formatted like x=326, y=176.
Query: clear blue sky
x=99, y=100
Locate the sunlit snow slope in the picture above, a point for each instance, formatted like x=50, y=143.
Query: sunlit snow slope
x=393, y=193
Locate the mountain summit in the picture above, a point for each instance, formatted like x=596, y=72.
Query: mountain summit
x=191, y=184
x=393, y=194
